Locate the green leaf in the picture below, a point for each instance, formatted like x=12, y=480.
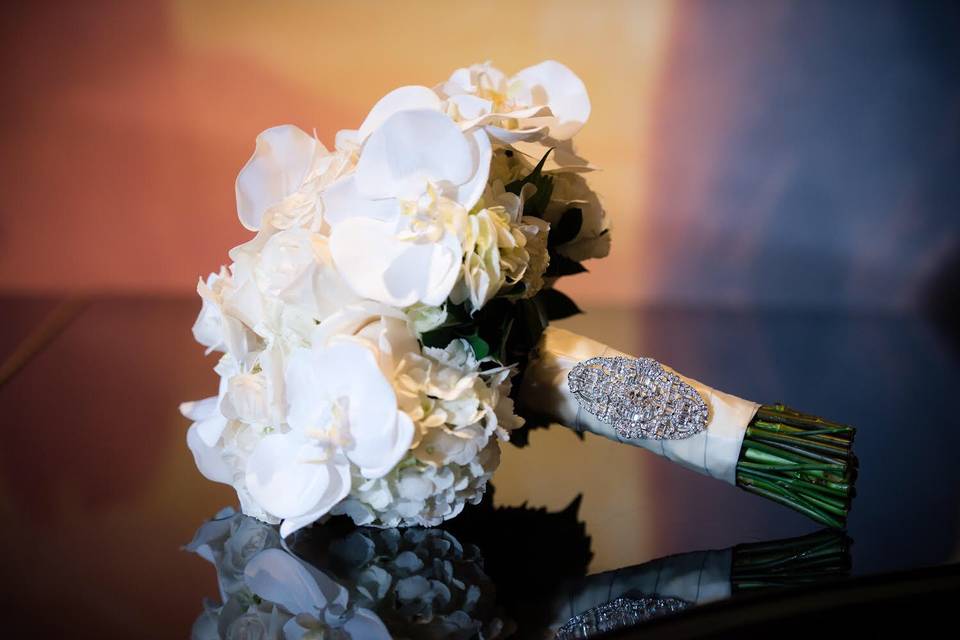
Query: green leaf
x=513, y=292
x=439, y=337
x=557, y=305
x=480, y=347
x=537, y=204
x=567, y=228
x=563, y=266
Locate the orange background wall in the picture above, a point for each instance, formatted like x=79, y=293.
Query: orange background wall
x=752, y=153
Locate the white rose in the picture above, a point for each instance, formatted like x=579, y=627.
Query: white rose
x=218, y=326
x=295, y=267
x=208, y=329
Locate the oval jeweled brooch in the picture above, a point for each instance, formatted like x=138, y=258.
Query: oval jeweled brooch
x=638, y=397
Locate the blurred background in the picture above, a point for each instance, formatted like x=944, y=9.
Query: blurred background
x=754, y=153
x=784, y=188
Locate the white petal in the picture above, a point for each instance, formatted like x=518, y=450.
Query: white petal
x=536, y=111
x=469, y=192
x=280, y=162
x=342, y=201
x=377, y=453
x=346, y=140
x=337, y=492
x=292, y=630
x=315, y=378
x=460, y=81
x=510, y=136
x=209, y=422
x=410, y=148
x=430, y=270
x=278, y=577
x=286, y=476
x=402, y=99
x=199, y=409
x=351, y=319
x=362, y=251
x=379, y=434
x=470, y=106
x=210, y=430
x=378, y=265
x=209, y=461
x=365, y=624
x=553, y=84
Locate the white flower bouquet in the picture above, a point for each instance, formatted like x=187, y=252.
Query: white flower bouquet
x=397, y=290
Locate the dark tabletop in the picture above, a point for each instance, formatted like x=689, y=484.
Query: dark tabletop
x=99, y=492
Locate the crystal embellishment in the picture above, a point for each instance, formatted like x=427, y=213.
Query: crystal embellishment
x=638, y=397
x=618, y=614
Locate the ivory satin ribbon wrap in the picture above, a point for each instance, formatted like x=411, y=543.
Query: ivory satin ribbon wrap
x=713, y=452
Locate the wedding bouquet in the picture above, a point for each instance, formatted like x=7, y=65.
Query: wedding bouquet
x=376, y=329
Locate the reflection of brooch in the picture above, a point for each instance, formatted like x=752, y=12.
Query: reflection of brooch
x=638, y=397
x=618, y=614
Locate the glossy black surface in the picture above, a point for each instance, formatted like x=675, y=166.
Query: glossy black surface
x=99, y=492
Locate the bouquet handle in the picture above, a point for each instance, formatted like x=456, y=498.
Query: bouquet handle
x=796, y=459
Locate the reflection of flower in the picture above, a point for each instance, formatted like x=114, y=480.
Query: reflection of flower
x=421, y=582
x=268, y=593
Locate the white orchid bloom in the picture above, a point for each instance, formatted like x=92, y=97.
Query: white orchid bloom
x=545, y=101
x=341, y=410
x=283, y=177
x=315, y=601
x=397, y=220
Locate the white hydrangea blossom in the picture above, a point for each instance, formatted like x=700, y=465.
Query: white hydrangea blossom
x=461, y=413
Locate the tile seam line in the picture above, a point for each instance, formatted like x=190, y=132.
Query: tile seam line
x=42, y=336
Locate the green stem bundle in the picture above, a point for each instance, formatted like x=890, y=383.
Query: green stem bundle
x=809, y=559
x=799, y=460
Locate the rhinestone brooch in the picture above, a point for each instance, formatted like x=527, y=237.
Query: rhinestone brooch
x=638, y=397
x=621, y=613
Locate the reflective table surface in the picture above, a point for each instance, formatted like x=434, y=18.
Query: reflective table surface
x=109, y=530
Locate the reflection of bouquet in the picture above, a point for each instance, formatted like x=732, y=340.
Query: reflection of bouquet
x=369, y=329
x=364, y=583
x=418, y=583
